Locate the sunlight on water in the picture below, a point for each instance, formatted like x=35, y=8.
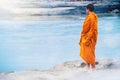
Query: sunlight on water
x=17, y=9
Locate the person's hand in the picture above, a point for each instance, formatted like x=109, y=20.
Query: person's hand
x=87, y=42
x=79, y=43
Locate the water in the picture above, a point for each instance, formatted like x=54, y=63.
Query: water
x=28, y=45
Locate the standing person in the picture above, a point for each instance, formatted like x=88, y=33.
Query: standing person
x=89, y=37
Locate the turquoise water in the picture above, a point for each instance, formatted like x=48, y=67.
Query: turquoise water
x=42, y=44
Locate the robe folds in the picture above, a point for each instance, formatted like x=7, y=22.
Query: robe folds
x=88, y=38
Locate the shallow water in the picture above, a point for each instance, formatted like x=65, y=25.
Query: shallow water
x=43, y=44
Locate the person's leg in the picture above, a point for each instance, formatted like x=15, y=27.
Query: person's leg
x=93, y=66
x=88, y=66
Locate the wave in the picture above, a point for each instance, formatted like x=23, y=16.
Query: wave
x=61, y=7
x=36, y=8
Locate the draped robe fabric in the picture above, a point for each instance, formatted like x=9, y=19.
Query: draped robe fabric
x=88, y=39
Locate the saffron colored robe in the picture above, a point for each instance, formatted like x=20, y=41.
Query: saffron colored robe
x=89, y=38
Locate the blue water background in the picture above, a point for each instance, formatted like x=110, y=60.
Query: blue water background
x=28, y=45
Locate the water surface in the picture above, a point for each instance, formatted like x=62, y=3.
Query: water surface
x=42, y=44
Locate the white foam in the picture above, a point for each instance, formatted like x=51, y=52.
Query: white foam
x=106, y=70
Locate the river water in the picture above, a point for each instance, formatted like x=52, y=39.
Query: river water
x=42, y=44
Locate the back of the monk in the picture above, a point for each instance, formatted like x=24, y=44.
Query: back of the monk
x=89, y=37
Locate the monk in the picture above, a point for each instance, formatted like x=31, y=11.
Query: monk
x=89, y=36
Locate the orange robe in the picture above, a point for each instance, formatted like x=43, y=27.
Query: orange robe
x=89, y=35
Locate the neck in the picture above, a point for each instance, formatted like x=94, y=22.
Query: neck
x=90, y=12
